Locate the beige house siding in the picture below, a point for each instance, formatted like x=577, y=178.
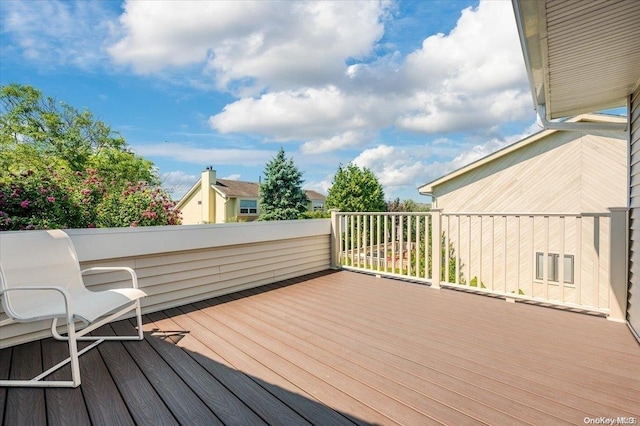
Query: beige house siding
x=633, y=304
x=563, y=172
x=194, y=262
x=192, y=209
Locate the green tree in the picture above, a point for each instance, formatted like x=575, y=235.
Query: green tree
x=355, y=190
x=58, y=166
x=281, y=194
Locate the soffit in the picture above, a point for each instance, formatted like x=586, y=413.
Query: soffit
x=583, y=56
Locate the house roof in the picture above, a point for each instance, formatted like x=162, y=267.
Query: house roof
x=237, y=188
x=581, y=56
x=427, y=188
x=240, y=189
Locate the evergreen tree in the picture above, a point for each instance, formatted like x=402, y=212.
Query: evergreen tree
x=281, y=194
x=356, y=190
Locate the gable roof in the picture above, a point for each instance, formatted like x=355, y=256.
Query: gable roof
x=236, y=188
x=427, y=188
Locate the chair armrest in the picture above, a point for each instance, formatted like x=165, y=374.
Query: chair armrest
x=134, y=277
x=67, y=297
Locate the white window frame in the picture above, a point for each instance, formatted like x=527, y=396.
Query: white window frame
x=553, y=268
x=248, y=210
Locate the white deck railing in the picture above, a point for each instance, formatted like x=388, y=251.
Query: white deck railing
x=569, y=260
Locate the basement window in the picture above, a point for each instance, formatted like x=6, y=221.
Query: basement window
x=553, y=267
x=248, y=206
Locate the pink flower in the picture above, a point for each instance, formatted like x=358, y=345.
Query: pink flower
x=86, y=191
x=91, y=225
x=24, y=204
x=51, y=199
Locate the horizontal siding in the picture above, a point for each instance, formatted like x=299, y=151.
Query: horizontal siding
x=182, y=277
x=633, y=304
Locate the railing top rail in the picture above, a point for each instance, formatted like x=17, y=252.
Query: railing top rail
x=503, y=214
x=384, y=213
x=550, y=214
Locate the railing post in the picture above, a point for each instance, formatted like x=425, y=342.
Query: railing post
x=618, y=264
x=336, y=239
x=436, y=247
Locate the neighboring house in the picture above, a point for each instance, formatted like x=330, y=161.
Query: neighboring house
x=583, y=57
x=552, y=171
x=213, y=200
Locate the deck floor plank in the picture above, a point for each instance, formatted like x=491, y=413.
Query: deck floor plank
x=268, y=407
x=517, y=357
x=498, y=326
x=341, y=348
x=26, y=406
x=60, y=399
x=419, y=377
x=183, y=403
x=5, y=364
x=230, y=409
x=142, y=401
x=324, y=391
x=301, y=401
x=365, y=387
x=470, y=382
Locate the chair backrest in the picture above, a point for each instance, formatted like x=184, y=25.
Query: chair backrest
x=36, y=258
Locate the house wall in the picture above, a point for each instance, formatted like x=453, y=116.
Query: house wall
x=223, y=207
x=633, y=304
x=192, y=209
x=184, y=264
x=566, y=172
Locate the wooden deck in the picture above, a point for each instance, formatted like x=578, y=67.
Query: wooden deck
x=341, y=348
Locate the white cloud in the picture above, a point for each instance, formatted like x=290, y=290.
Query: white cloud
x=471, y=79
x=349, y=139
x=312, y=114
x=234, y=176
x=55, y=33
x=177, y=183
x=394, y=167
x=201, y=156
x=252, y=44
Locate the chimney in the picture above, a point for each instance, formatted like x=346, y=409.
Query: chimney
x=208, y=196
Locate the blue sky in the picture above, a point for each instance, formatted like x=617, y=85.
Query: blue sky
x=410, y=89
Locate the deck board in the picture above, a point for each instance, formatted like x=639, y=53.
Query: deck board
x=340, y=348
x=222, y=402
x=59, y=400
x=25, y=406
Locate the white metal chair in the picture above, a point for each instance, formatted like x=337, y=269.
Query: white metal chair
x=40, y=278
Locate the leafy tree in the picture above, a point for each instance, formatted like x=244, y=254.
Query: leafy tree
x=281, y=194
x=406, y=206
x=59, y=166
x=356, y=190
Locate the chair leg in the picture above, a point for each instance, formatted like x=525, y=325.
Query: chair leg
x=73, y=352
x=73, y=359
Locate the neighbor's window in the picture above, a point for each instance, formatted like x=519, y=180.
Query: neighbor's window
x=248, y=206
x=553, y=267
x=318, y=206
